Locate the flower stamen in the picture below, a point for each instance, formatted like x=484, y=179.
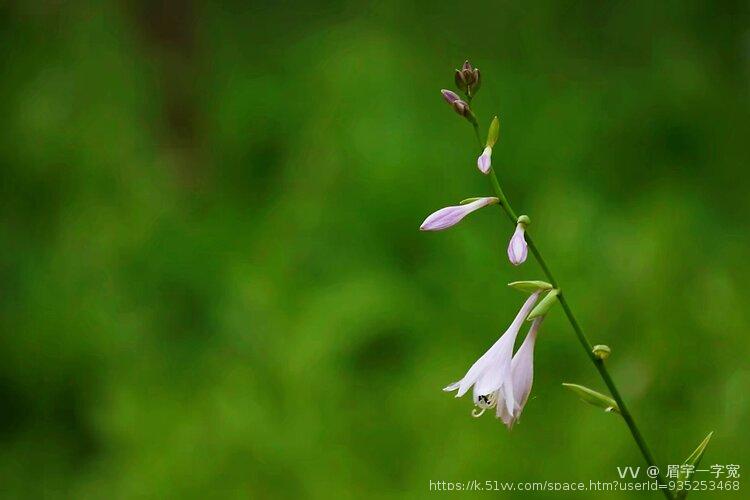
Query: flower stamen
x=484, y=402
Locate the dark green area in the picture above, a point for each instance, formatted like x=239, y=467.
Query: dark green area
x=211, y=280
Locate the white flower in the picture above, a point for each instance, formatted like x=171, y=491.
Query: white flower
x=491, y=375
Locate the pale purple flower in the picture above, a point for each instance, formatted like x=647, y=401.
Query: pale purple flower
x=491, y=374
x=517, y=248
x=450, y=216
x=522, y=375
x=484, y=162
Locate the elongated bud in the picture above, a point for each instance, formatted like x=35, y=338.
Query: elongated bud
x=460, y=81
x=601, y=351
x=544, y=305
x=530, y=286
x=594, y=398
x=461, y=107
x=474, y=87
x=449, y=96
x=450, y=216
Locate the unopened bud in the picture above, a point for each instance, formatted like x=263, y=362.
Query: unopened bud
x=474, y=87
x=461, y=107
x=468, y=73
x=468, y=79
x=601, y=351
x=450, y=96
x=461, y=81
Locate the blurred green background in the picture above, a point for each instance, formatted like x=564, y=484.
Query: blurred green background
x=213, y=285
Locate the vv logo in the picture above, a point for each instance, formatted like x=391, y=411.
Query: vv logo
x=632, y=472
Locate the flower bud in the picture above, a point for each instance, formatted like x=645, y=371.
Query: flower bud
x=517, y=248
x=449, y=96
x=474, y=87
x=601, y=351
x=468, y=79
x=450, y=216
x=468, y=72
x=460, y=81
x=460, y=107
x=484, y=162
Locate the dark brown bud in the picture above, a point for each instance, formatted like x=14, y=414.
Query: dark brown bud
x=461, y=107
x=476, y=82
x=460, y=81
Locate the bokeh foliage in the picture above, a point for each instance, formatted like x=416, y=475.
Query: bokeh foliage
x=212, y=280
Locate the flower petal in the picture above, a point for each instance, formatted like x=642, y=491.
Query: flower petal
x=517, y=248
x=484, y=162
x=450, y=216
x=522, y=368
x=494, y=366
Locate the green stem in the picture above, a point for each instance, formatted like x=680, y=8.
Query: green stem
x=582, y=339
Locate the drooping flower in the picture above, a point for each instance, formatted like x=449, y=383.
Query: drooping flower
x=517, y=248
x=522, y=374
x=491, y=375
x=450, y=216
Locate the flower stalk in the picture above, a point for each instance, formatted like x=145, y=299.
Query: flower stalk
x=582, y=339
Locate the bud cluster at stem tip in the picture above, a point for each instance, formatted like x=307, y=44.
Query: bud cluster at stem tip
x=468, y=79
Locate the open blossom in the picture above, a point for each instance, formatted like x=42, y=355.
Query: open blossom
x=484, y=162
x=522, y=375
x=450, y=216
x=491, y=375
x=517, y=248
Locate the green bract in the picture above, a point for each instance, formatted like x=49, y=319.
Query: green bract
x=594, y=398
x=530, y=286
x=544, y=305
x=493, y=133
